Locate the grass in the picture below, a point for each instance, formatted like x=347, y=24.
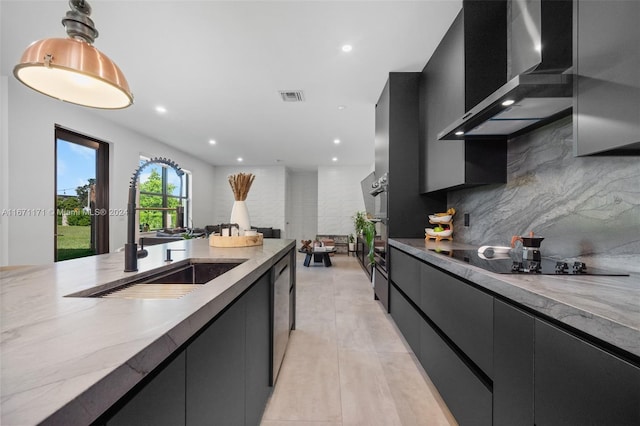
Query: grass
x=74, y=242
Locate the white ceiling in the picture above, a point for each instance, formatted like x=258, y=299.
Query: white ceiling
x=217, y=67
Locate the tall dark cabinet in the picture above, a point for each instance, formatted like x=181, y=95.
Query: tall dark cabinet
x=606, y=109
x=397, y=148
x=469, y=64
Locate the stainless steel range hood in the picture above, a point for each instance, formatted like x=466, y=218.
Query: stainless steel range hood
x=527, y=101
x=540, y=89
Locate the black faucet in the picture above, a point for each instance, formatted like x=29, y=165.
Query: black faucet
x=168, y=258
x=131, y=252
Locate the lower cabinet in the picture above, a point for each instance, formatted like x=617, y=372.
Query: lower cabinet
x=406, y=318
x=215, y=371
x=538, y=373
x=577, y=383
x=220, y=378
x=257, y=343
x=381, y=287
x=513, y=365
x=165, y=393
x=362, y=252
x=462, y=312
x=465, y=394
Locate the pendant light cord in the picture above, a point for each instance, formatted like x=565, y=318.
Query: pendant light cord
x=78, y=23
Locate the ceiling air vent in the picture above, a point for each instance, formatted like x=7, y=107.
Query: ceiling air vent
x=292, y=95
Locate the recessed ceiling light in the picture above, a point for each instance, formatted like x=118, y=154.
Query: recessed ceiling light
x=240, y=160
x=341, y=107
x=212, y=142
x=336, y=141
x=459, y=133
x=160, y=109
x=334, y=159
x=347, y=48
x=508, y=102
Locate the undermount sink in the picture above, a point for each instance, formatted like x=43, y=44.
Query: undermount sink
x=170, y=283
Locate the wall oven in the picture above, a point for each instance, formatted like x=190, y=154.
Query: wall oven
x=380, y=279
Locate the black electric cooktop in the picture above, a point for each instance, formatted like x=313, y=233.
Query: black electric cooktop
x=511, y=264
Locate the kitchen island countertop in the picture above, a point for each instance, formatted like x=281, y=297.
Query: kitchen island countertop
x=65, y=360
x=605, y=307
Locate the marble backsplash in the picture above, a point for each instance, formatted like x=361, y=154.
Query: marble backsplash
x=586, y=208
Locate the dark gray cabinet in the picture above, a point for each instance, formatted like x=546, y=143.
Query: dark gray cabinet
x=577, y=383
x=397, y=152
x=228, y=365
x=496, y=363
x=468, y=64
x=222, y=376
x=215, y=371
x=606, y=110
x=258, y=346
x=466, y=396
x=381, y=287
x=438, y=315
x=544, y=375
x=406, y=318
x=513, y=366
x=405, y=273
x=165, y=392
x=462, y=312
x=362, y=253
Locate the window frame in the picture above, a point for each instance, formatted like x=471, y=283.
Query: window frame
x=183, y=199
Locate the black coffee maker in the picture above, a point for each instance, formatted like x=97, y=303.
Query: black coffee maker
x=531, y=256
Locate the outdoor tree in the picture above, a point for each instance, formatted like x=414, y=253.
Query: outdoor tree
x=67, y=203
x=153, y=185
x=83, y=192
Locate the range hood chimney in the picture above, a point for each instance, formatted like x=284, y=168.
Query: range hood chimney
x=538, y=90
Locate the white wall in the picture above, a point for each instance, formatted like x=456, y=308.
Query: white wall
x=310, y=203
x=4, y=172
x=339, y=198
x=265, y=201
x=28, y=139
x=302, y=205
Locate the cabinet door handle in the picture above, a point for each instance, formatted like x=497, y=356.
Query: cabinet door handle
x=282, y=270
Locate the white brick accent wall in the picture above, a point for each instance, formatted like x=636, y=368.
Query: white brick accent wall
x=266, y=199
x=302, y=205
x=339, y=198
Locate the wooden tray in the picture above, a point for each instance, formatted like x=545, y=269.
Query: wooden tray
x=242, y=241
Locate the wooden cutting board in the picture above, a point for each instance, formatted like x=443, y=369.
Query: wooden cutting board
x=242, y=241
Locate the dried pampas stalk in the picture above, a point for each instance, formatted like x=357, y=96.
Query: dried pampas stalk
x=240, y=185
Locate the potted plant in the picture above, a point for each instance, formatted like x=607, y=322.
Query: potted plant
x=352, y=243
x=359, y=221
x=369, y=232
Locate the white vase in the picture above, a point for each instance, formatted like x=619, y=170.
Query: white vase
x=240, y=215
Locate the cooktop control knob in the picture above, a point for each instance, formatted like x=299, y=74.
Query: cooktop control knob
x=579, y=268
x=562, y=268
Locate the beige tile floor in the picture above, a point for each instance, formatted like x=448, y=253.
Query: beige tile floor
x=347, y=363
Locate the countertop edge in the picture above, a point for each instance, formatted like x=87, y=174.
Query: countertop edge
x=90, y=404
x=626, y=337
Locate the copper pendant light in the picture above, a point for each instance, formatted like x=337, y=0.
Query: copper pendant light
x=71, y=69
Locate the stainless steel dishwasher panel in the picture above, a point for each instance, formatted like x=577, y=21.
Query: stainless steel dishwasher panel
x=281, y=283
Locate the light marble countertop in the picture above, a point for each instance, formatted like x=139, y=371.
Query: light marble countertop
x=605, y=307
x=65, y=360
